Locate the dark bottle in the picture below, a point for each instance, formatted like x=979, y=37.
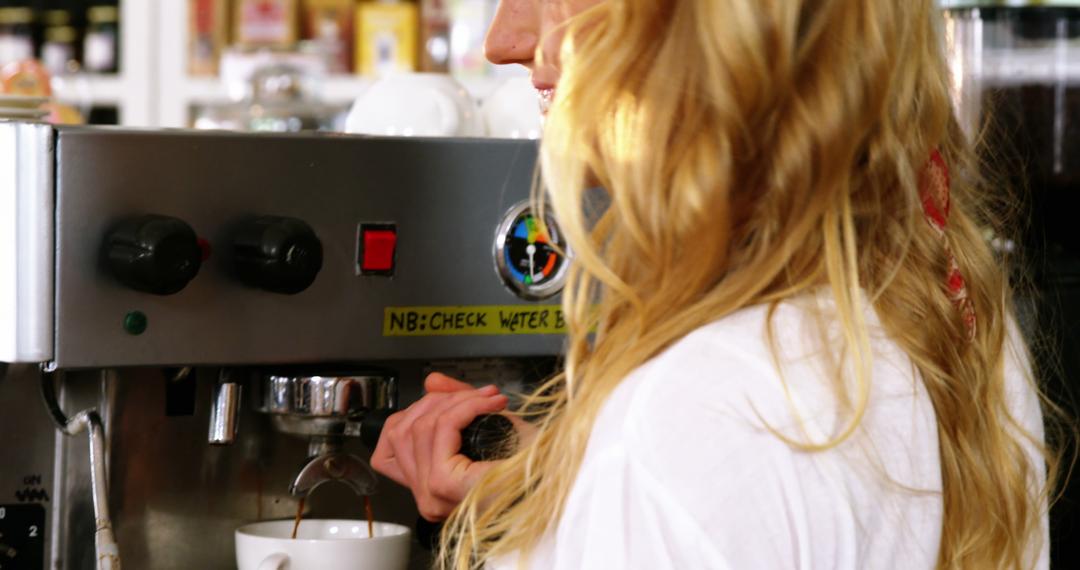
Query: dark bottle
x=435, y=36
x=16, y=31
x=59, y=51
x=101, y=43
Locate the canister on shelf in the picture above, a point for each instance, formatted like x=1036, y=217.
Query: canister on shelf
x=329, y=25
x=101, y=45
x=60, y=37
x=266, y=23
x=386, y=38
x=208, y=24
x=435, y=36
x=59, y=50
x=16, y=33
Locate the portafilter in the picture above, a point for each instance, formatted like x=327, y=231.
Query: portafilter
x=326, y=407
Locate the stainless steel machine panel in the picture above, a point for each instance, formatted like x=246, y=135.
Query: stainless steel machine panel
x=26, y=242
x=445, y=198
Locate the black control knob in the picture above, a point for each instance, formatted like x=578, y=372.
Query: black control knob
x=489, y=437
x=281, y=255
x=153, y=254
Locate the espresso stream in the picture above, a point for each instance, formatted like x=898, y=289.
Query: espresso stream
x=368, y=511
x=299, y=515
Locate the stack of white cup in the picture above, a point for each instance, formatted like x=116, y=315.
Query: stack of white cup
x=436, y=105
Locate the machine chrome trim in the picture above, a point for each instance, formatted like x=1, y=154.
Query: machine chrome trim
x=328, y=396
x=27, y=242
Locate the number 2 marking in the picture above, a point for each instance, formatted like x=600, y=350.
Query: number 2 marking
x=33, y=530
x=3, y=512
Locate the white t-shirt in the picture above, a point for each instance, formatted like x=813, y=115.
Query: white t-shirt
x=682, y=470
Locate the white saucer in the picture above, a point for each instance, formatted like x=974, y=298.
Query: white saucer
x=21, y=101
x=17, y=113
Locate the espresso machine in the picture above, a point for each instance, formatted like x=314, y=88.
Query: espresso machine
x=1016, y=68
x=198, y=329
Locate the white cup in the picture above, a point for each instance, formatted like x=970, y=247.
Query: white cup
x=415, y=105
x=322, y=544
x=513, y=111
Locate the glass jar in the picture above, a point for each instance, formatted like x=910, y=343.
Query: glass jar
x=101, y=44
x=280, y=100
x=59, y=50
x=58, y=53
x=1016, y=73
x=16, y=34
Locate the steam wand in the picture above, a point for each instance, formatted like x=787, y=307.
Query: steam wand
x=108, y=553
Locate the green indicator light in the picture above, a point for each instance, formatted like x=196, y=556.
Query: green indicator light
x=135, y=323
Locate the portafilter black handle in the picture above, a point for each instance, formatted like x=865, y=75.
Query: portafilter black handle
x=487, y=438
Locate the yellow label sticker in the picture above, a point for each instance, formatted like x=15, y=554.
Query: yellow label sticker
x=476, y=320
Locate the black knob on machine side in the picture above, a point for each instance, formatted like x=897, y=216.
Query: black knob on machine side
x=154, y=254
x=487, y=438
x=280, y=255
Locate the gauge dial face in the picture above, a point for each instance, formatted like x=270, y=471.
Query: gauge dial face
x=528, y=254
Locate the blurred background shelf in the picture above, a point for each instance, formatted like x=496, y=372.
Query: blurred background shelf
x=153, y=87
x=94, y=89
x=180, y=93
x=335, y=89
x=128, y=95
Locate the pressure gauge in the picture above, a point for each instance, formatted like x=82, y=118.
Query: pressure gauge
x=530, y=254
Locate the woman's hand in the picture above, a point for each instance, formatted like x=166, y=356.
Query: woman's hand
x=419, y=445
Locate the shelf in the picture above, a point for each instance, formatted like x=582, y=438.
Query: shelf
x=203, y=90
x=339, y=89
x=91, y=90
x=154, y=89
x=174, y=93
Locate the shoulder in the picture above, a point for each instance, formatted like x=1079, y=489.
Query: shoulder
x=713, y=431
x=743, y=387
x=700, y=376
x=690, y=433
x=761, y=368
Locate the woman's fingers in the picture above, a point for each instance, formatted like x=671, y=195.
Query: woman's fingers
x=419, y=446
x=395, y=444
x=444, y=476
x=384, y=459
x=395, y=455
x=398, y=433
x=424, y=428
x=446, y=441
x=439, y=382
x=387, y=465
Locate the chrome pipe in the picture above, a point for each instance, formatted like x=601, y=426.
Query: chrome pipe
x=224, y=413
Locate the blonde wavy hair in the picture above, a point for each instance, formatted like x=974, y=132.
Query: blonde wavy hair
x=752, y=151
